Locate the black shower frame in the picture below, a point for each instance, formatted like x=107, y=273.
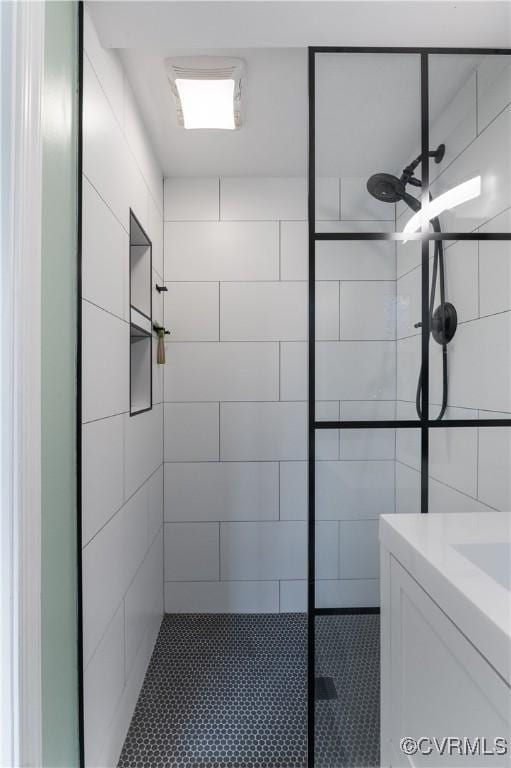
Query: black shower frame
x=424, y=423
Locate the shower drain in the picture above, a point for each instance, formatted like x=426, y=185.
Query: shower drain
x=325, y=689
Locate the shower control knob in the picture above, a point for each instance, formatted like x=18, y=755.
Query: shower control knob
x=417, y=325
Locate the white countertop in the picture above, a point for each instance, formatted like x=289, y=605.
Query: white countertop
x=430, y=548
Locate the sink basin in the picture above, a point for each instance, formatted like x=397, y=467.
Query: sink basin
x=493, y=558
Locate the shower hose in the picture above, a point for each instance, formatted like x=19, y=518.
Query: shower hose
x=438, y=270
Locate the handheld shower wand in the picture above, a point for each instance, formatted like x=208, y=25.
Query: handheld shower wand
x=443, y=320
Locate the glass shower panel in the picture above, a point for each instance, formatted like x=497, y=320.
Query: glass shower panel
x=471, y=375
x=470, y=112
x=367, y=122
x=356, y=328
x=378, y=472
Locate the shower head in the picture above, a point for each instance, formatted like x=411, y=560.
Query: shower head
x=390, y=189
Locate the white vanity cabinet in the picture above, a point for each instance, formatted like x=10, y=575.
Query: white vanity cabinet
x=435, y=681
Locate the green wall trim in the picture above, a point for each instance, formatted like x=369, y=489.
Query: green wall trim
x=58, y=396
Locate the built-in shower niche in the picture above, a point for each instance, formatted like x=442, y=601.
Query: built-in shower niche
x=140, y=318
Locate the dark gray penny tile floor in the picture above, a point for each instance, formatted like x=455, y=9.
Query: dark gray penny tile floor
x=229, y=691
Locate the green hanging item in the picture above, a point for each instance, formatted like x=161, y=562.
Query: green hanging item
x=161, y=332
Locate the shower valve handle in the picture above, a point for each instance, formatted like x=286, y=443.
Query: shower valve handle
x=417, y=325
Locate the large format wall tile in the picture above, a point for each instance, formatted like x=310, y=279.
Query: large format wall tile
x=192, y=199
x=356, y=260
x=191, y=551
x=354, y=490
x=258, y=551
x=105, y=384
x=263, y=199
x=103, y=473
x=221, y=491
x=359, y=550
x=191, y=432
x=144, y=447
x=494, y=479
x=343, y=593
x=104, y=256
x=263, y=431
x=192, y=311
x=263, y=311
x=222, y=597
x=495, y=267
x=368, y=310
x=222, y=250
x=141, y=600
x=221, y=371
x=481, y=158
x=350, y=370
x=110, y=561
x=493, y=88
x=103, y=687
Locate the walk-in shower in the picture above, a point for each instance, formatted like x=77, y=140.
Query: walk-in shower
x=443, y=320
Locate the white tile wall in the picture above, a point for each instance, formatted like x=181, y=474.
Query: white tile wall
x=105, y=383
x=354, y=489
x=222, y=250
x=293, y=596
x=368, y=310
x=192, y=432
x=217, y=371
x=104, y=263
x=294, y=250
x=103, y=687
x=144, y=446
x=110, y=562
x=494, y=478
x=359, y=550
x=222, y=597
x=221, y=491
x=263, y=431
x=122, y=456
x=355, y=260
x=191, y=552
x=293, y=490
x=342, y=593
x=263, y=311
x=192, y=200
x=263, y=199
x=469, y=467
x=192, y=311
x=256, y=257
x=103, y=473
x=260, y=551
x=494, y=89
x=350, y=370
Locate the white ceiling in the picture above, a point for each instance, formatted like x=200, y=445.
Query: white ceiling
x=368, y=106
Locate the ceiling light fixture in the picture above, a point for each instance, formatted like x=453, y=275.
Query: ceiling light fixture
x=207, y=91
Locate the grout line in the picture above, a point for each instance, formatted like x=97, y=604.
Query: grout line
x=278, y=489
x=124, y=503
x=477, y=461
x=219, y=553
x=280, y=249
x=219, y=440
x=477, y=100
x=478, y=279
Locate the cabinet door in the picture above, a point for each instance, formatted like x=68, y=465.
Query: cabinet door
x=441, y=685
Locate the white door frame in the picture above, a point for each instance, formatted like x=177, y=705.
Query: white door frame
x=21, y=70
